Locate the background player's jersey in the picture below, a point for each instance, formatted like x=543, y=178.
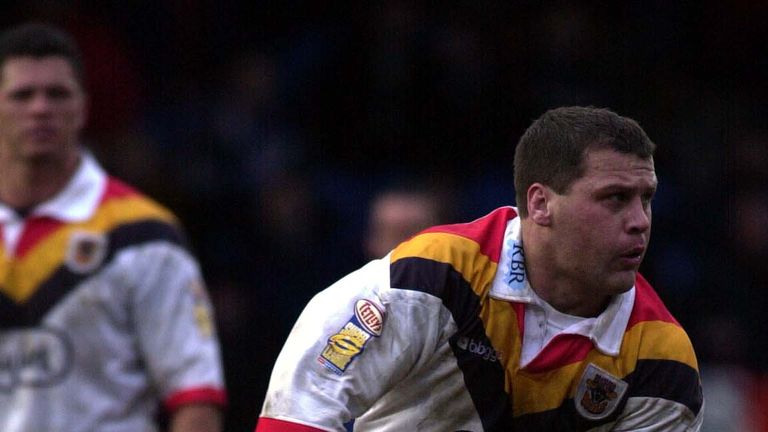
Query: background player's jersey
x=430, y=339
x=103, y=313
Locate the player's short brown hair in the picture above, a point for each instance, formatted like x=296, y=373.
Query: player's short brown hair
x=552, y=149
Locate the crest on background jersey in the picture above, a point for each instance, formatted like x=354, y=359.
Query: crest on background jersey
x=349, y=342
x=86, y=251
x=599, y=393
x=202, y=311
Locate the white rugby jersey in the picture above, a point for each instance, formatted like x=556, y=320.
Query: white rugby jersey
x=103, y=313
x=430, y=338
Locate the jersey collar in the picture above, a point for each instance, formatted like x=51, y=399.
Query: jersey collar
x=77, y=201
x=510, y=283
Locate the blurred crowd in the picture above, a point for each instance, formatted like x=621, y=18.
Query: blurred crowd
x=274, y=128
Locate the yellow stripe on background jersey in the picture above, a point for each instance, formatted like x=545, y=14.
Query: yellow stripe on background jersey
x=25, y=274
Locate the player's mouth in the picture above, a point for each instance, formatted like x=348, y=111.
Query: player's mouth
x=41, y=133
x=633, y=257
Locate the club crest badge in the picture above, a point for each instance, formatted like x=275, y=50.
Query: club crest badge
x=599, y=393
x=86, y=251
x=346, y=344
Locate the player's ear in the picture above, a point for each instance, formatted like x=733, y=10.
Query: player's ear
x=539, y=204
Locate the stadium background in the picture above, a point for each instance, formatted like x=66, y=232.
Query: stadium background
x=268, y=127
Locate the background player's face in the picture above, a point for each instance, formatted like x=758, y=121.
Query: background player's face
x=394, y=217
x=42, y=108
x=602, y=225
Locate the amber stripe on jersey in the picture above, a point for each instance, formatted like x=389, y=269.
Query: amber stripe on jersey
x=36, y=278
x=456, y=263
x=660, y=379
x=42, y=251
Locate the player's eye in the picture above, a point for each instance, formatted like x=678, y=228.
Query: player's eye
x=618, y=197
x=21, y=95
x=58, y=93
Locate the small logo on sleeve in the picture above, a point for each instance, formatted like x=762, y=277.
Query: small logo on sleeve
x=598, y=393
x=346, y=344
x=369, y=316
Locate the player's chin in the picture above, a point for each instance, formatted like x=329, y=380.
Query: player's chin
x=622, y=282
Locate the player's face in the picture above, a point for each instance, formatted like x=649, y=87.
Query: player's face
x=602, y=225
x=42, y=108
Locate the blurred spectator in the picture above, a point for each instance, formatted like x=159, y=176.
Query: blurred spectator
x=398, y=213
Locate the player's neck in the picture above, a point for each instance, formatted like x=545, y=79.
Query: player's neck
x=25, y=184
x=568, y=297
x=556, y=286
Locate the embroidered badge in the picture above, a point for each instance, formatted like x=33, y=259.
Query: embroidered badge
x=598, y=393
x=349, y=342
x=86, y=251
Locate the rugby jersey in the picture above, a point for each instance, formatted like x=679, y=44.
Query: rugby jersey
x=430, y=338
x=103, y=312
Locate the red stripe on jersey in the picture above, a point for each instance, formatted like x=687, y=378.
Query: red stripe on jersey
x=35, y=230
x=648, y=305
x=116, y=189
x=519, y=309
x=488, y=231
x=562, y=350
x=211, y=395
x=267, y=424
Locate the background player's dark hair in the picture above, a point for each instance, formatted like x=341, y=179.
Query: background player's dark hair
x=40, y=40
x=551, y=151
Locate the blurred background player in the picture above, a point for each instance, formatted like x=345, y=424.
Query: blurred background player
x=103, y=310
x=397, y=213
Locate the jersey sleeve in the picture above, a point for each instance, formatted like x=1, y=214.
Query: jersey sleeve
x=352, y=343
x=174, y=326
x=652, y=414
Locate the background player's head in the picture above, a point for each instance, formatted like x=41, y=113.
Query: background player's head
x=39, y=40
x=398, y=213
x=42, y=99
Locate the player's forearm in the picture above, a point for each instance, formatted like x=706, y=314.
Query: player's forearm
x=196, y=418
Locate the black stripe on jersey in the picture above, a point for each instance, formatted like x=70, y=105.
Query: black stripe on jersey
x=564, y=418
x=63, y=280
x=483, y=375
x=664, y=379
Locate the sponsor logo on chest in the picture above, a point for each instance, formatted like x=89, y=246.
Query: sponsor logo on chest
x=479, y=348
x=34, y=357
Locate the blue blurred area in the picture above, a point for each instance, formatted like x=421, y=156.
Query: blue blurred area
x=270, y=126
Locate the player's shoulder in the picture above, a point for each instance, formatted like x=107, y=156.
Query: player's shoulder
x=121, y=199
x=656, y=332
x=128, y=214
x=648, y=305
x=483, y=236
